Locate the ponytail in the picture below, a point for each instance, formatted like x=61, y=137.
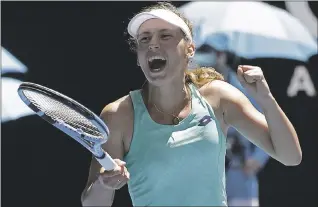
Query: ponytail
x=201, y=76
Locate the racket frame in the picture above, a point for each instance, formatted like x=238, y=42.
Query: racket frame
x=96, y=149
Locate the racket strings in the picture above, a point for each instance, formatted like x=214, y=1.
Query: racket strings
x=60, y=111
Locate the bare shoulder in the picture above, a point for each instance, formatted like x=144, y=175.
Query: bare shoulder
x=119, y=112
x=219, y=92
x=221, y=96
x=118, y=116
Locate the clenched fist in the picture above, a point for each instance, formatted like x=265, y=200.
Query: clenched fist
x=253, y=80
x=116, y=178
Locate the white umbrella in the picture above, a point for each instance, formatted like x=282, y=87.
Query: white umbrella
x=12, y=106
x=11, y=64
x=250, y=30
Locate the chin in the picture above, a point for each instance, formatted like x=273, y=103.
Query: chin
x=159, y=80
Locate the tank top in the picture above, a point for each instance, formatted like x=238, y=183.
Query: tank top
x=177, y=165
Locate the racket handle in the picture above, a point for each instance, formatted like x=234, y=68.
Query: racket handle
x=107, y=162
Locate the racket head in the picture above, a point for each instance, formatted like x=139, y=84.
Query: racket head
x=59, y=110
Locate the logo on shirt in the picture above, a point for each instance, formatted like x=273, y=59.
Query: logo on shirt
x=205, y=120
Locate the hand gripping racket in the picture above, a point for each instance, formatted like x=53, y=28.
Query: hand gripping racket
x=70, y=117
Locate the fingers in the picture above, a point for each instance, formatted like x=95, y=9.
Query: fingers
x=105, y=173
x=115, y=182
x=126, y=173
x=247, y=67
x=118, y=170
x=120, y=162
x=116, y=178
x=249, y=74
x=240, y=75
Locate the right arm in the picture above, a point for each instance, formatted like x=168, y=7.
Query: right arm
x=95, y=193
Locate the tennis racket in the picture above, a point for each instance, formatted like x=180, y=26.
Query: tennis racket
x=70, y=117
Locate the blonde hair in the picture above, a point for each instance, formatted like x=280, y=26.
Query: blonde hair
x=202, y=75
x=199, y=76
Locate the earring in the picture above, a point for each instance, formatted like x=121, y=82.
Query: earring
x=190, y=59
x=191, y=63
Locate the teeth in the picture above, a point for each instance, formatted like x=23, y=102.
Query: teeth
x=156, y=57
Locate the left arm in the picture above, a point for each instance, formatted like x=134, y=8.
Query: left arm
x=258, y=158
x=283, y=135
x=258, y=155
x=272, y=132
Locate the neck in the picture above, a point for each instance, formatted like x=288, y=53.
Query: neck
x=169, y=98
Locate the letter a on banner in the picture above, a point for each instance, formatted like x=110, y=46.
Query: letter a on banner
x=301, y=81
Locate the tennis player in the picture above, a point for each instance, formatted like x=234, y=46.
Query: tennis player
x=168, y=138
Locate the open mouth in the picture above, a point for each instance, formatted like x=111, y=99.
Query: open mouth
x=157, y=63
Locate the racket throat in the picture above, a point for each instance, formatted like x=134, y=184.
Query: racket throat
x=100, y=157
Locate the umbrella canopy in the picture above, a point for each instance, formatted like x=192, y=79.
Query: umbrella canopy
x=250, y=30
x=11, y=64
x=12, y=106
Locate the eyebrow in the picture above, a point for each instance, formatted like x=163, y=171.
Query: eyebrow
x=162, y=30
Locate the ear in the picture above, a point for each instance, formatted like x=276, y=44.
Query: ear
x=190, y=50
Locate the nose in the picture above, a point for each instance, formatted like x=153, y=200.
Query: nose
x=154, y=44
x=154, y=47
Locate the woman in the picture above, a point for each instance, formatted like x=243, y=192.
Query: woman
x=170, y=133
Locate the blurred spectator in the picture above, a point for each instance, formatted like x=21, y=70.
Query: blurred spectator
x=244, y=159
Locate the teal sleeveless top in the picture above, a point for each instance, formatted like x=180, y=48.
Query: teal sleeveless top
x=177, y=165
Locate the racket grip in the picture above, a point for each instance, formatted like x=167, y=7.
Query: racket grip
x=107, y=162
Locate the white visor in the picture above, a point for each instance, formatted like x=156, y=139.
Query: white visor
x=163, y=14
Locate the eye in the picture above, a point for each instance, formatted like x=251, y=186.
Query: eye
x=166, y=36
x=144, y=39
